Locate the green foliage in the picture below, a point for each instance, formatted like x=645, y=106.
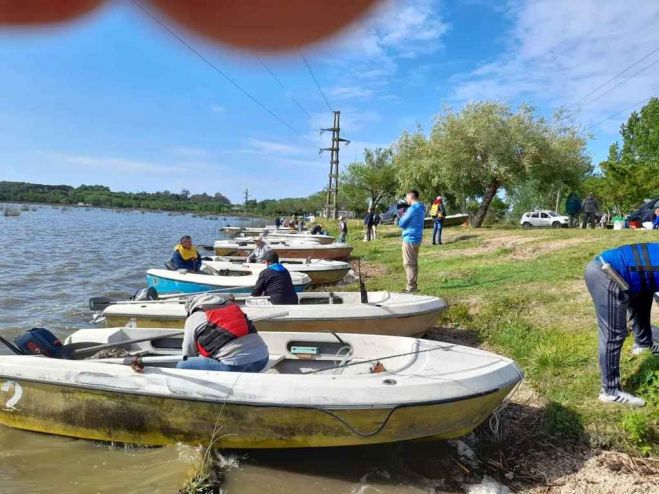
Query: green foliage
x=99, y=195
x=370, y=182
x=630, y=174
x=488, y=147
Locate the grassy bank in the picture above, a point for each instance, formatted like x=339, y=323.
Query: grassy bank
x=521, y=293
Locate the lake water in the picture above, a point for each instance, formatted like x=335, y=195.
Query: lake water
x=54, y=259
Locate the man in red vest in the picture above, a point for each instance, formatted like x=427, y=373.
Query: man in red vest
x=218, y=336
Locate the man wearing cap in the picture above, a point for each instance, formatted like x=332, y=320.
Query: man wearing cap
x=218, y=336
x=343, y=230
x=258, y=254
x=185, y=256
x=275, y=282
x=622, y=282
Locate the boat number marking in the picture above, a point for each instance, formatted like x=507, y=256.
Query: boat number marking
x=16, y=397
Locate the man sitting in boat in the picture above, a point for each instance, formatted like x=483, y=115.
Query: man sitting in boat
x=317, y=230
x=275, y=282
x=218, y=336
x=185, y=256
x=258, y=254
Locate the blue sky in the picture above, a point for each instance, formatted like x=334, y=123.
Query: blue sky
x=114, y=100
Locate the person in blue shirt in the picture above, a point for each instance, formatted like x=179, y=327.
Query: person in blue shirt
x=655, y=222
x=412, y=224
x=185, y=256
x=622, y=282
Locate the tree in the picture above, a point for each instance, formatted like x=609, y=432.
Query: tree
x=369, y=182
x=488, y=148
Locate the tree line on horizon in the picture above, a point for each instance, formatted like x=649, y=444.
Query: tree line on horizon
x=102, y=196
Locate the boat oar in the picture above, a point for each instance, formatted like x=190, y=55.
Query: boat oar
x=131, y=360
x=82, y=349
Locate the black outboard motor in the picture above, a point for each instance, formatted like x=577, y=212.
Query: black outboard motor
x=148, y=293
x=39, y=341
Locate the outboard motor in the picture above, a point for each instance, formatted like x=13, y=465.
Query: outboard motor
x=39, y=341
x=148, y=293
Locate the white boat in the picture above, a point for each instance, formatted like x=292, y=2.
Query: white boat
x=318, y=390
x=276, y=236
x=238, y=280
x=321, y=271
x=291, y=249
x=400, y=314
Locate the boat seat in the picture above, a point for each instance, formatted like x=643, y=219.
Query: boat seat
x=273, y=362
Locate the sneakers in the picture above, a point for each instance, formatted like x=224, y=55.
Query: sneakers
x=622, y=398
x=639, y=350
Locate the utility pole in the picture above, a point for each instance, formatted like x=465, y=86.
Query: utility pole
x=246, y=197
x=331, y=206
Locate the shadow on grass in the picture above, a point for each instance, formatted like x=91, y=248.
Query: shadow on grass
x=458, y=336
x=461, y=238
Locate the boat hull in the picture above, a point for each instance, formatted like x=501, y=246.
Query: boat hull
x=403, y=325
x=87, y=413
x=166, y=285
x=338, y=253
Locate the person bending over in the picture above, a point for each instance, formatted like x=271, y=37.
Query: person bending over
x=185, y=256
x=218, y=336
x=275, y=282
x=622, y=283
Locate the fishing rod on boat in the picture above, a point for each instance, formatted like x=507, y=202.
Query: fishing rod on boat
x=362, y=285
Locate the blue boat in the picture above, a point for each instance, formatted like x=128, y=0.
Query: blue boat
x=165, y=281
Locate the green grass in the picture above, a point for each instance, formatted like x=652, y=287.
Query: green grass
x=523, y=293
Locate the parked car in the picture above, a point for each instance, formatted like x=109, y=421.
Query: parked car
x=544, y=218
x=645, y=212
x=394, y=212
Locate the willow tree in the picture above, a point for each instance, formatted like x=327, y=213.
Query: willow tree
x=488, y=148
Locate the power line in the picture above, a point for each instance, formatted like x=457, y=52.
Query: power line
x=283, y=88
x=329, y=107
x=576, y=103
x=618, y=113
x=622, y=82
x=215, y=68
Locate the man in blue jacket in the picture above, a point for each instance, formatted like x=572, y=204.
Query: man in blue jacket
x=412, y=224
x=621, y=281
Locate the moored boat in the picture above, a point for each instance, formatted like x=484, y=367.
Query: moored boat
x=400, y=314
x=236, y=281
x=318, y=390
x=321, y=271
x=449, y=220
x=278, y=236
x=338, y=252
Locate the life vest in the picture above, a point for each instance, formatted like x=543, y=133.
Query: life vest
x=186, y=254
x=638, y=264
x=224, y=325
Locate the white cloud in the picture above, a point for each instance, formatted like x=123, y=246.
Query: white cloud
x=263, y=146
x=217, y=108
x=116, y=165
x=190, y=152
x=561, y=50
x=350, y=92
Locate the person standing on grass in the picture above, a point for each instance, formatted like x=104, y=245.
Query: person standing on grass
x=437, y=213
x=369, y=221
x=622, y=282
x=377, y=219
x=343, y=230
x=412, y=224
x=655, y=220
x=590, y=207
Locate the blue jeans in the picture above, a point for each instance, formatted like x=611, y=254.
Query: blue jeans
x=437, y=231
x=205, y=363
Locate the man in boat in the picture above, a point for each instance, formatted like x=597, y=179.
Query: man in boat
x=317, y=230
x=185, y=256
x=218, y=336
x=622, y=282
x=260, y=249
x=343, y=230
x=275, y=282
x=412, y=224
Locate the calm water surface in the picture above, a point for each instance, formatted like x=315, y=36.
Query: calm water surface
x=55, y=259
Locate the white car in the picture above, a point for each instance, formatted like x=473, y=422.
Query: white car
x=544, y=218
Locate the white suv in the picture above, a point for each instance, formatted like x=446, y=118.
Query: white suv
x=544, y=218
